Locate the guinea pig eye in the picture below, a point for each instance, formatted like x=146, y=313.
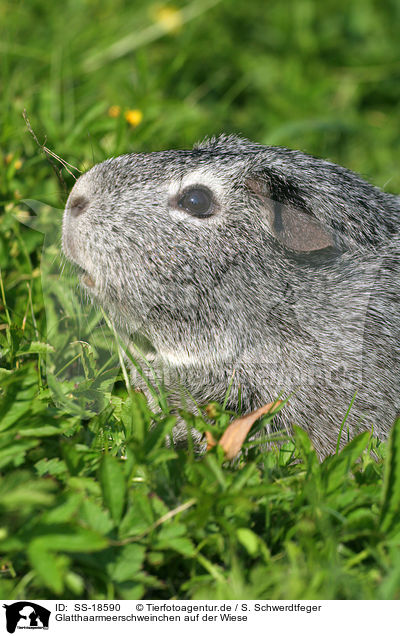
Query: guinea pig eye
x=197, y=201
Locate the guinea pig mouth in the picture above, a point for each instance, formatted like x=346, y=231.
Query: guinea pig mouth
x=87, y=280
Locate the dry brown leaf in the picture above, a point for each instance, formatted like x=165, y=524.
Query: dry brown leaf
x=234, y=436
x=210, y=440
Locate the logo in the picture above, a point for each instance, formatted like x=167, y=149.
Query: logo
x=26, y=615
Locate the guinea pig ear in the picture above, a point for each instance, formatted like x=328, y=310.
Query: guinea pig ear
x=298, y=230
x=295, y=227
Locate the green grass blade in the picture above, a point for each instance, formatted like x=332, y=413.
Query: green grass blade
x=390, y=511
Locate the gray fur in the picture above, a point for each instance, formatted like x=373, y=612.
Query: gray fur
x=292, y=285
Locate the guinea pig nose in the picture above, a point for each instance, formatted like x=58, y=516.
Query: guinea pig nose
x=77, y=205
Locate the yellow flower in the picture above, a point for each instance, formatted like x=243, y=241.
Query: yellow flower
x=134, y=117
x=114, y=111
x=170, y=18
x=18, y=164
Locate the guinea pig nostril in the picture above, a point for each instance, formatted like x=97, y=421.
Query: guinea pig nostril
x=78, y=205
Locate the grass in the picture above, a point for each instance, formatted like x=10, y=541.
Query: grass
x=93, y=504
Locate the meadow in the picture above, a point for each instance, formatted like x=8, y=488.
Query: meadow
x=93, y=503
